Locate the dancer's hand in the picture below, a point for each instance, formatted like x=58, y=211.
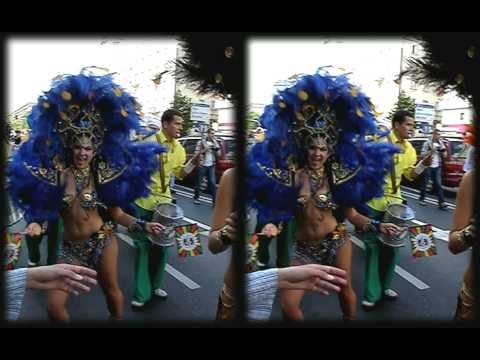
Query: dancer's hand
x=154, y=228
x=389, y=229
x=65, y=277
x=229, y=230
x=269, y=230
x=34, y=229
x=313, y=277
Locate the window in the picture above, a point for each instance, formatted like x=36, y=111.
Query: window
x=458, y=148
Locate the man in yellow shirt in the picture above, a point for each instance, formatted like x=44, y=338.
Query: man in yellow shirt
x=151, y=260
x=381, y=259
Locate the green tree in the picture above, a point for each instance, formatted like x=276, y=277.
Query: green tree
x=252, y=121
x=405, y=103
x=183, y=104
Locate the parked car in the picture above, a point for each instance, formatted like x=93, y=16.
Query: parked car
x=225, y=160
x=452, y=166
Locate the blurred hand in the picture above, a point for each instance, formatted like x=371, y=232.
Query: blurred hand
x=312, y=277
x=154, y=228
x=427, y=160
x=389, y=229
x=65, y=277
x=269, y=230
x=34, y=229
x=229, y=230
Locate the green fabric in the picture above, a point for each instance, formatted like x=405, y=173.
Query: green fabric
x=150, y=262
x=284, y=239
x=54, y=236
x=380, y=261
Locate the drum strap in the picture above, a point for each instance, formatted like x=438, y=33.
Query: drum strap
x=393, y=175
x=161, y=169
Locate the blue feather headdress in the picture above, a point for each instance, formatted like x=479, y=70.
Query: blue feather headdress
x=331, y=108
x=76, y=107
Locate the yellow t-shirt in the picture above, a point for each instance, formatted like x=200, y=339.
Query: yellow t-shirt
x=173, y=163
x=404, y=165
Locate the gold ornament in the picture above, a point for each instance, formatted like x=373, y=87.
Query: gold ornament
x=299, y=116
x=359, y=112
x=471, y=52
x=282, y=105
x=117, y=92
x=123, y=112
x=303, y=95
x=354, y=92
x=229, y=52
x=459, y=79
x=64, y=116
x=46, y=105
x=66, y=96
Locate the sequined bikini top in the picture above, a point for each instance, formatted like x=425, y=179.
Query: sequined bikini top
x=321, y=200
x=88, y=200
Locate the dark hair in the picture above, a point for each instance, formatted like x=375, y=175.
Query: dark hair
x=400, y=116
x=168, y=115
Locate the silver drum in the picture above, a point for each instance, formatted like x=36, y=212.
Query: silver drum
x=399, y=215
x=170, y=216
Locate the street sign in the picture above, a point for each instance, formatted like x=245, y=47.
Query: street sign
x=201, y=126
x=424, y=113
x=200, y=112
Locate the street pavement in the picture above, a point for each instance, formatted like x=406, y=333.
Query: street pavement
x=193, y=283
x=427, y=287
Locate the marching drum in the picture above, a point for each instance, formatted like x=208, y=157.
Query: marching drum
x=170, y=216
x=399, y=215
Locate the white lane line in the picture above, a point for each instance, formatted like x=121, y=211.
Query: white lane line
x=200, y=225
x=437, y=233
x=190, y=196
x=445, y=188
x=189, y=283
x=419, y=284
x=185, y=191
x=416, y=193
x=427, y=200
x=192, y=285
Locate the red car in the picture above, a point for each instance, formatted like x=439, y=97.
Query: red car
x=452, y=166
x=225, y=160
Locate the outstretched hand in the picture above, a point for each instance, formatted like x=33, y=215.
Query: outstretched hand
x=313, y=277
x=65, y=277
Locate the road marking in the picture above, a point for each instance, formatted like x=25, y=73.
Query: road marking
x=186, y=191
x=200, y=225
x=190, y=196
x=427, y=200
x=185, y=280
x=419, y=284
x=413, y=192
x=192, y=285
